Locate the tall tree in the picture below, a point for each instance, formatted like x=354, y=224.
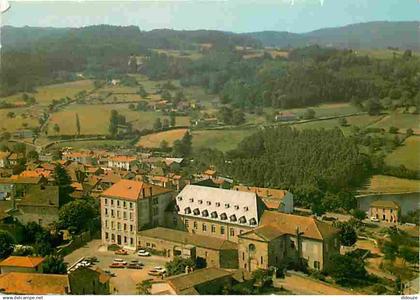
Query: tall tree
x=6, y=244
x=77, y=124
x=63, y=180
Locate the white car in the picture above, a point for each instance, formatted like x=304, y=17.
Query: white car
x=119, y=261
x=160, y=269
x=373, y=219
x=143, y=253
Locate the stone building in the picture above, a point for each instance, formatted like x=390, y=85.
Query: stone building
x=385, y=211
x=282, y=238
x=86, y=281
x=129, y=206
x=217, y=212
x=211, y=251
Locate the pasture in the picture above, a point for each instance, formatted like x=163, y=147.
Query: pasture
x=388, y=184
x=153, y=140
x=23, y=116
x=401, y=121
x=408, y=154
x=45, y=94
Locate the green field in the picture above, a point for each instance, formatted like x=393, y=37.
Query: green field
x=389, y=184
x=94, y=144
x=23, y=115
x=327, y=110
x=401, y=121
x=45, y=94
x=407, y=155
x=223, y=140
x=154, y=140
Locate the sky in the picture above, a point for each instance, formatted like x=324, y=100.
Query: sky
x=228, y=15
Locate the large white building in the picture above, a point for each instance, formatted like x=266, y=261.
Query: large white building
x=218, y=212
x=122, y=162
x=129, y=206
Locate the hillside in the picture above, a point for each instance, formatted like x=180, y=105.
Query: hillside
x=403, y=35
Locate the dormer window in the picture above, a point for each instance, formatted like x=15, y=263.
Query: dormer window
x=227, y=205
x=208, y=202
x=200, y=201
x=242, y=220
x=232, y=218
x=205, y=213
x=176, y=207
x=191, y=200
x=223, y=216
x=236, y=207
x=214, y=215
x=187, y=210
x=196, y=212
x=179, y=198
x=217, y=204
x=252, y=221
x=245, y=208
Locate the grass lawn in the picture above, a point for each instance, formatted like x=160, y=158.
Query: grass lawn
x=222, y=140
x=407, y=155
x=401, y=121
x=326, y=124
x=94, y=119
x=16, y=123
x=389, y=184
x=327, y=110
x=92, y=144
x=153, y=140
x=45, y=94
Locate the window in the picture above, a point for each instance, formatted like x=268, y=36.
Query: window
x=195, y=225
x=245, y=208
x=227, y=205
x=125, y=215
x=125, y=227
x=112, y=224
x=131, y=205
x=262, y=260
x=124, y=204
x=392, y=210
x=243, y=255
x=242, y=220
x=186, y=224
x=213, y=228
x=118, y=213
x=208, y=202
x=112, y=213
x=217, y=204
x=292, y=244
x=232, y=232
x=191, y=200
x=125, y=240
x=131, y=216
x=155, y=201
x=317, y=265
x=106, y=223
x=118, y=202
x=204, y=227
x=131, y=241
x=147, y=244
x=131, y=227
x=222, y=229
x=236, y=207
x=200, y=201
x=106, y=211
x=214, y=215
x=112, y=202
x=179, y=198
x=119, y=226
x=106, y=235
x=106, y=201
x=223, y=216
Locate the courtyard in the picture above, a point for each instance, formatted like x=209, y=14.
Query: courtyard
x=125, y=280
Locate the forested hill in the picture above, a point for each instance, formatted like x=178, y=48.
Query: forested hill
x=403, y=35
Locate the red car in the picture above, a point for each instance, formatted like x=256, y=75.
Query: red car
x=121, y=252
x=117, y=265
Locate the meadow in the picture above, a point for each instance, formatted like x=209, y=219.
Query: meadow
x=407, y=154
x=45, y=94
x=154, y=140
x=22, y=116
x=389, y=184
x=401, y=121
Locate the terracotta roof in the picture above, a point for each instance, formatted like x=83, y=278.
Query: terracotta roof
x=385, y=204
x=77, y=154
x=133, y=190
x=22, y=180
x=22, y=261
x=185, y=284
x=209, y=172
x=35, y=173
x=188, y=238
x=123, y=158
x=33, y=283
x=262, y=192
x=287, y=223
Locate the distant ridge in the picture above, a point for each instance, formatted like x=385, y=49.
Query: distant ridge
x=383, y=34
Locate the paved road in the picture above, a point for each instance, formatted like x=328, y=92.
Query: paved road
x=300, y=285
x=126, y=279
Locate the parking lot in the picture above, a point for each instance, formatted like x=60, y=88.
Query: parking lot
x=125, y=280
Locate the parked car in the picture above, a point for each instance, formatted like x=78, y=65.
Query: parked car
x=117, y=265
x=154, y=273
x=110, y=273
x=134, y=266
x=121, y=252
x=92, y=259
x=160, y=269
x=142, y=252
x=373, y=219
x=119, y=261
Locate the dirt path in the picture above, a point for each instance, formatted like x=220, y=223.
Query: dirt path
x=300, y=285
